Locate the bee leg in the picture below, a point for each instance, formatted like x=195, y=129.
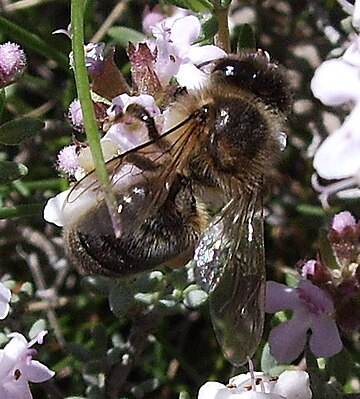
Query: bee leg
x=139, y=112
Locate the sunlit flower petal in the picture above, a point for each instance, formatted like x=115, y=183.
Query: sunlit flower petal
x=5, y=296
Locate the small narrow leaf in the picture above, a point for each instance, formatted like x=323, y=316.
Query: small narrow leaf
x=10, y=171
x=2, y=100
x=123, y=35
x=19, y=130
x=194, y=5
x=246, y=38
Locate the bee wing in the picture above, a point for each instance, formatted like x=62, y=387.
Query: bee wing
x=140, y=177
x=229, y=265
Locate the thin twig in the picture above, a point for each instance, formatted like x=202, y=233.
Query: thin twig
x=113, y=16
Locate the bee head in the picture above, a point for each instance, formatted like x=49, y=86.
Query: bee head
x=254, y=73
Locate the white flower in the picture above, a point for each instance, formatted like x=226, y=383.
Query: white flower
x=5, y=295
x=337, y=82
x=17, y=368
x=289, y=385
x=177, y=56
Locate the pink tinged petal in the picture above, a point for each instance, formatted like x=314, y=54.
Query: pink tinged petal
x=338, y=156
x=280, y=297
x=200, y=54
x=343, y=220
x=214, y=390
x=5, y=295
x=288, y=340
x=37, y=372
x=39, y=339
x=314, y=299
x=293, y=385
x=185, y=31
x=12, y=353
x=190, y=76
x=309, y=268
x=335, y=82
x=16, y=389
x=325, y=339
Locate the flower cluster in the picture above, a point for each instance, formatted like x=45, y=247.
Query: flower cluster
x=326, y=299
x=17, y=367
x=165, y=62
x=337, y=82
x=12, y=63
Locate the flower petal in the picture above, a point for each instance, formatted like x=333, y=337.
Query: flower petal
x=37, y=372
x=16, y=389
x=287, y=340
x=293, y=385
x=325, y=339
x=214, y=390
x=200, y=54
x=338, y=156
x=279, y=297
x=5, y=295
x=185, y=31
x=190, y=76
x=13, y=351
x=53, y=208
x=336, y=82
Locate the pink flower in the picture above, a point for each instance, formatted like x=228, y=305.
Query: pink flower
x=129, y=132
x=12, y=63
x=177, y=56
x=17, y=367
x=312, y=310
x=342, y=220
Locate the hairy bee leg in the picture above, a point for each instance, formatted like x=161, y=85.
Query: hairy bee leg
x=139, y=112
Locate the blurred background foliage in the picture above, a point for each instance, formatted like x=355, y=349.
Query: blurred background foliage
x=155, y=340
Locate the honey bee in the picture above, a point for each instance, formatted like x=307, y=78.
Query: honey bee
x=222, y=143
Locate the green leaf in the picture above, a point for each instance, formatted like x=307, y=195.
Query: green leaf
x=326, y=252
x=36, y=328
x=246, y=38
x=210, y=27
x=194, y=5
x=19, y=130
x=2, y=100
x=98, y=284
x=31, y=41
x=120, y=300
x=10, y=171
x=123, y=35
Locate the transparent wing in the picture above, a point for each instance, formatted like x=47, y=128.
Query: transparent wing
x=141, y=177
x=229, y=265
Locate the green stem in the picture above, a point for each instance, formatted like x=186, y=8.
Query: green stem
x=21, y=210
x=222, y=38
x=91, y=128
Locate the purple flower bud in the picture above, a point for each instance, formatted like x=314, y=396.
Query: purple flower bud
x=68, y=160
x=343, y=220
x=12, y=63
x=75, y=114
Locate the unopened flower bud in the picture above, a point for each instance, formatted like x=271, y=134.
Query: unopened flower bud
x=12, y=63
